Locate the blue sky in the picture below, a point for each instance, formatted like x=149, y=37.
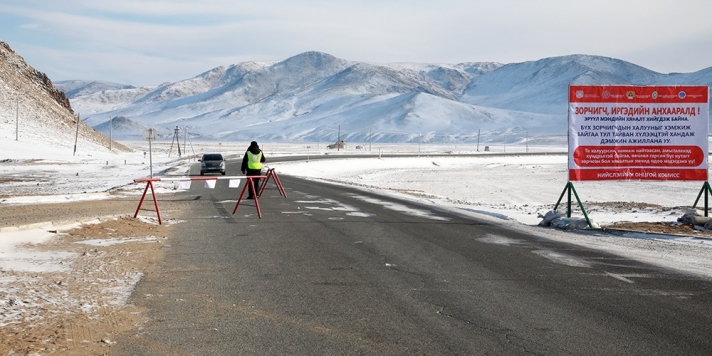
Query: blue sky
x=147, y=42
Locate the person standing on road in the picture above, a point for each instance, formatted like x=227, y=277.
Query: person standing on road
x=252, y=165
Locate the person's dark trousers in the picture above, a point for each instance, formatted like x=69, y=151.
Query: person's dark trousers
x=256, y=181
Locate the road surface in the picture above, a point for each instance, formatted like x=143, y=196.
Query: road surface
x=332, y=270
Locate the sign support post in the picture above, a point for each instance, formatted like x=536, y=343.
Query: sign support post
x=707, y=191
x=568, y=189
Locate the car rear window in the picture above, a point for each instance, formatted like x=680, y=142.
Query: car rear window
x=212, y=157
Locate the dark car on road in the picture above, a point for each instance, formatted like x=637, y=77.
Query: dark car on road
x=212, y=163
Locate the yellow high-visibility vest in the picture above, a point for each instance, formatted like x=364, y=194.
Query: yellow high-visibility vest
x=253, y=160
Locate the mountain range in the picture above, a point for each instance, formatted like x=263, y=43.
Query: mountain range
x=315, y=96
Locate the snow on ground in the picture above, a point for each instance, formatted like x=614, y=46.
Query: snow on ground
x=516, y=187
x=511, y=190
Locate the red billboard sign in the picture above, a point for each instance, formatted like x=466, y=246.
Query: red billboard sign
x=621, y=132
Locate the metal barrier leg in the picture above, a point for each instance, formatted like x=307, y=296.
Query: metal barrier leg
x=271, y=173
x=280, y=187
x=142, y=198
x=254, y=195
x=251, y=185
x=264, y=184
x=155, y=202
x=149, y=184
x=242, y=193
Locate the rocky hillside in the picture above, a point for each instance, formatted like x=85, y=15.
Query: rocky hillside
x=32, y=108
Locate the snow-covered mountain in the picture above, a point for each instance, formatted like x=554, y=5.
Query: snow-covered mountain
x=542, y=86
x=315, y=96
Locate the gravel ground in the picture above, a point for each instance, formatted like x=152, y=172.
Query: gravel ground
x=19, y=215
x=81, y=308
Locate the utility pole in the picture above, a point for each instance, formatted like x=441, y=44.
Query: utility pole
x=369, y=139
x=151, y=133
x=526, y=142
x=111, y=125
x=338, y=141
x=478, y=140
x=185, y=146
x=176, y=139
x=76, y=137
x=17, y=117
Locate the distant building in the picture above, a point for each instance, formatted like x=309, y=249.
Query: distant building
x=339, y=144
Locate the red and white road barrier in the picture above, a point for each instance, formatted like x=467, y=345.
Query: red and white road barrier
x=248, y=182
x=271, y=173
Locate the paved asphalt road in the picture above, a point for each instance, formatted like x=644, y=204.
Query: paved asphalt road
x=332, y=270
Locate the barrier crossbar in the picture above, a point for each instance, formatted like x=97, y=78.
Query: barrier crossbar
x=149, y=185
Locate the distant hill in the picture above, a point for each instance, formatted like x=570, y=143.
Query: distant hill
x=314, y=96
x=74, y=88
x=41, y=114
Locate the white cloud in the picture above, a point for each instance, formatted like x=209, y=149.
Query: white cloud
x=181, y=37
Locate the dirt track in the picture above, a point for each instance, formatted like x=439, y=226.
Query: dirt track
x=78, y=310
x=18, y=215
x=657, y=227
